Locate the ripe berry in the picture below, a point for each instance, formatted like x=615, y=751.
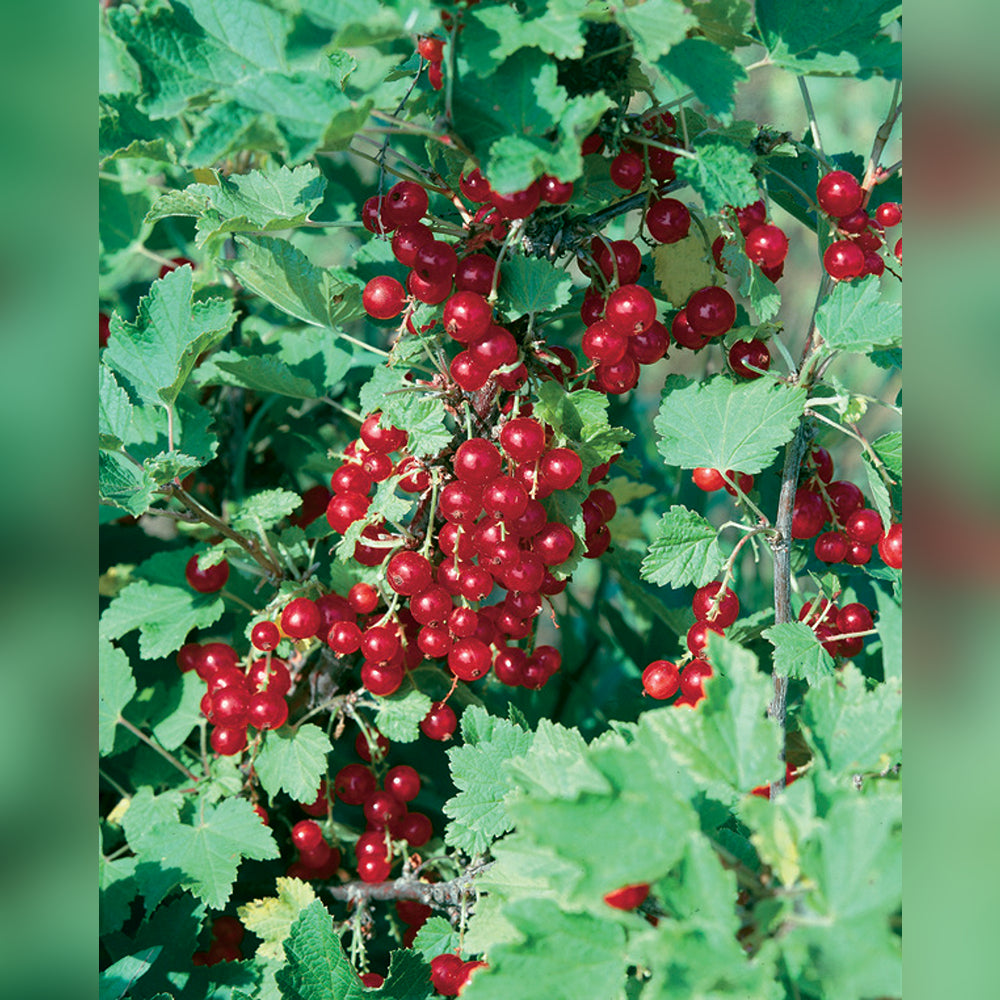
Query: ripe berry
x=477, y=461
x=467, y=316
x=683, y=333
x=808, y=514
x=439, y=723
x=628, y=897
x=661, y=679
x=215, y=657
x=460, y=502
x=346, y=508
x=405, y=204
x=208, y=580
x=693, y=678
x=668, y=220
x=864, y=526
x=474, y=186
x=372, y=980
x=228, y=741
x=821, y=463
x=227, y=930
x=767, y=246
x=520, y=204
x=630, y=309
x=697, y=636
x=505, y=497
x=408, y=573
x=307, y=835
x=839, y=193
x=265, y=636
x=522, y=439
x=889, y=214
x=750, y=217
x=374, y=869
x=353, y=784
x=270, y=675
x=383, y=297
x=380, y=437
x=554, y=191
x=831, y=546
x=746, y=355
x=603, y=343
x=382, y=808
x=710, y=311
x=628, y=170
x=403, y=782
x=475, y=274
x=189, y=656
x=890, y=547
x=447, y=974
x=560, y=468
x=267, y=710
x=554, y=544
x=301, y=618
x=704, y=598
x=621, y=257
x=845, y=498
x=617, y=377
x=708, y=480
x=854, y=618
x=230, y=706
x=430, y=292
x=344, y=638
x=407, y=240
x=844, y=260
x=415, y=828
x=436, y=261
x=372, y=217
x=857, y=553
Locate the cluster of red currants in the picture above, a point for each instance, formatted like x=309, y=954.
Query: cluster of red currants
x=715, y=609
x=838, y=629
x=449, y=973
x=840, y=195
x=431, y=48
x=855, y=530
x=237, y=698
x=227, y=934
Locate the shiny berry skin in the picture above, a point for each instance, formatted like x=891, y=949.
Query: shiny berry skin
x=767, y=246
x=228, y=741
x=265, y=636
x=407, y=240
x=380, y=437
x=560, y=468
x=745, y=355
x=751, y=216
x=554, y=191
x=874, y=264
x=460, y=502
x=383, y=808
x=344, y=637
x=844, y=260
x=403, y=782
x=467, y=373
x=649, y=345
x=864, y=526
x=854, y=618
x=430, y=292
x=467, y=316
x=215, y=657
x=436, y=261
x=477, y=461
x=858, y=554
x=708, y=480
x=505, y=497
x=520, y=204
x=742, y=479
x=346, y=508
x=831, y=547
x=372, y=980
x=628, y=170
x=603, y=343
x=439, y=723
x=845, y=498
x=889, y=214
x=727, y=612
x=363, y=598
x=379, y=644
x=522, y=439
x=661, y=679
x=898, y=250
x=447, y=974
x=415, y=828
x=383, y=297
x=267, y=710
x=431, y=606
x=697, y=636
x=353, y=784
x=475, y=274
x=301, y=618
x=408, y=573
x=373, y=218
x=189, y=656
x=839, y=193
x=856, y=222
x=554, y=544
x=710, y=311
x=307, y=835
x=469, y=659
x=693, y=678
x=230, y=707
x=209, y=580
x=890, y=547
x=374, y=869
x=617, y=377
x=270, y=675
x=668, y=220
x=592, y=307
x=621, y=257
x=628, y=897
x=821, y=463
x=405, y=204
x=684, y=335
x=630, y=309
x=808, y=514
x=382, y=679
x=350, y=478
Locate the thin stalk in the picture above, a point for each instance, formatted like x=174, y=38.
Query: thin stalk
x=813, y=124
x=114, y=784
x=153, y=745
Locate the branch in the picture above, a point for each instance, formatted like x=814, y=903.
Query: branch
x=429, y=893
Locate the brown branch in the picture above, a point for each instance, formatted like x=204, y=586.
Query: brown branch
x=429, y=893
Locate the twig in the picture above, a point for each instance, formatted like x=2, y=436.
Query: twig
x=152, y=744
x=813, y=124
x=428, y=893
x=881, y=138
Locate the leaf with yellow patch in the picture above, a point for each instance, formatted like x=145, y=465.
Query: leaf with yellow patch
x=685, y=266
x=271, y=918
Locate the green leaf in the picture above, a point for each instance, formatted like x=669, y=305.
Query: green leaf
x=117, y=890
x=124, y=484
x=285, y=277
x=765, y=299
x=798, y=652
x=491, y=34
x=271, y=918
x=400, y=714
x=251, y=30
x=556, y=765
x=684, y=549
x=293, y=760
x=831, y=38
x=477, y=811
x=436, y=937
x=725, y=22
x=879, y=492
x=122, y=215
x=889, y=448
x=172, y=729
x=727, y=743
x=409, y=976
x=157, y=352
x=118, y=979
x=208, y=853
x=890, y=629
x=561, y=956
x=580, y=420
x=851, y=728
x=720, y=173
x=317, y=967
x=164, y=616
x=385, y=506
x=114, y=414
x=422, y=414
x=718, y=424
x=265, y=509
x=854, y=318
x=655, y=26
x=117, y=687
x=262, y=373
x=532, y=285
x=709, y=71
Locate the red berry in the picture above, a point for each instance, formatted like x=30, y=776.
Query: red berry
x=215, y=657
x=628, y=170
x=467, y=316
x=353, y=784
x=270, y=675
x=403, y=782
x=630, y=309
x=522, y=439
x=864, y=526
x=560, y=468
x=683, y=333
x=383, y=808
x=845, y=498
x=374, y=869
x=693, y=678
x=839, y=193
x=372, y=216
x=346, y=508
x=728, y=607
x=603, y=343
x=439, y=723
x=898, y=250
x=344, y=637
x=379, y=437
x=208, y=580
x=372, y=979
x=477, y=461
x=821, y=462
x=447, y=974
x=592, y=144
x=520, y=204
x=751, y=216
x=228, y=741
x=436, y=261
x=831, y=547
x=189, y=656
x=710, y=311
x=697, y=636
x=407, y=240
x=460, y=502
x=767, y=246
x=844, y=260
x=430, y=292
x=415, y=828
x=668, y=220
x=808, y=514
x=554, y=191
x=661, y=679
x=889, y=214
x=854, y=618
x=505, y=497
x=267, y=710
x=306, y=835
x=708, y=480
x=301, y=618
x=408, y=573
x=746, y=355
x=648, y=346
x=617, y=377
x=475, y=274
x=628, y=897
x=474, y=186
x=383, y=297
x=227, y=930
x=619, y=257
x=890, y=547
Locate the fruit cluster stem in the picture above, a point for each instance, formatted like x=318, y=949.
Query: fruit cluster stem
x=448, y=893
